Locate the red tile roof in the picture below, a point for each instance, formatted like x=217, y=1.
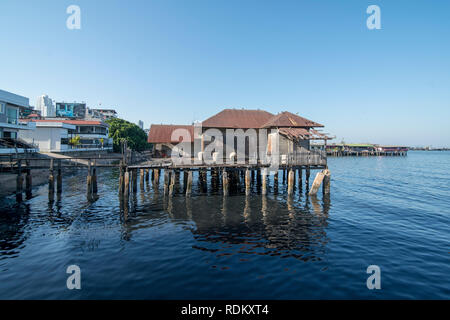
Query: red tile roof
x=162, y=133
x=288, y=119
x=238, y=118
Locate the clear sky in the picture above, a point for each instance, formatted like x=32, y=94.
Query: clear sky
x=178, y=61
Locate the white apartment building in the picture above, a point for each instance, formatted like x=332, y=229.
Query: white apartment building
x=46, y=106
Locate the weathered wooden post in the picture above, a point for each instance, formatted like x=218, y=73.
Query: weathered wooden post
x=291, y=181
x=156, y=175
x=166, y=180
x=19, y=182
x=141, y=178
x=300, y=174
x=247, y=182
x=284, y=175
x=188, y=183
x=326, y=182
x=172, y=182
x=51, y=182
x=89, y=182
x=316, y=184
x=147, y=175
x=275, y=179
x=94, y=178
x=126, y=181
x=134, y=180
x=307, y=174
x=28, y=180
x=264, y=181
x=121, y=178
x=185, y=178
x=59, y=179
x=225, y=182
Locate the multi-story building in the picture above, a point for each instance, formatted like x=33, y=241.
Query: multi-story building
x=10, y=104
x=55, y=134
x=104, y=114
x=45, y=105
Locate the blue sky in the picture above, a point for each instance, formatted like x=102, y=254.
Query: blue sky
x=180, y=61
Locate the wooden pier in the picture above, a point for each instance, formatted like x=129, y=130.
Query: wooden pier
x=228, y=176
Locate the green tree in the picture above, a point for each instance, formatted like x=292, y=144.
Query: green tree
x=74, y=141
x=120, y=130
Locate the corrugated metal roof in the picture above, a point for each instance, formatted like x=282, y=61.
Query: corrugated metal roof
x=162, y=133
x=302, y=134
x=238, y=118
x=288, y=119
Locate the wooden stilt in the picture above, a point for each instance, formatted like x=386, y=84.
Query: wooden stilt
x=291, y=181
x=94, y=179
x=134, y=180
x=19, y=182
x=166, y=180
x=225, y=182
x=126, y=181
x=121, y=178
x=59, y=179
x=89, y=182
x=188, y=183
x=51, y=182
x=141, y=178
x=247, y=182
x=326, y=182
x=28, y=181
x=172, y=183
x=307, y=174
x=300, y=178
x=316, y=184
x=264, y=181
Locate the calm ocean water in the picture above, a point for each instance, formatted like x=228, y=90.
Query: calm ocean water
x=393, y=212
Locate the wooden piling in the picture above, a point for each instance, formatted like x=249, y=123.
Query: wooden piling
x=300, y=178
x=121, y=178
x=316, y=184
x=94, y=178
x=126, y=182
x=172, y=183
x=264, y=181
x=166, y=180
x=51, y=182
x=89, y=182
x=247, y=182
x=19, y=182
x=188, y=183
x=326, y=182
x=225, y=182
x=59, y=178
x=134, y=180
x=291, y=181
x=307, y=174
x=28, y=181
x=156, y=175
x=141, y=178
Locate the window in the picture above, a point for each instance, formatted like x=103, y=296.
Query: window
x=2, y=107
x=11, y=114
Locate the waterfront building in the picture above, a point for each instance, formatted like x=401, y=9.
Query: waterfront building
x=55, y=134
x=45, y=106
x=161, y=138
x=141, y=124
x=292, y=132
